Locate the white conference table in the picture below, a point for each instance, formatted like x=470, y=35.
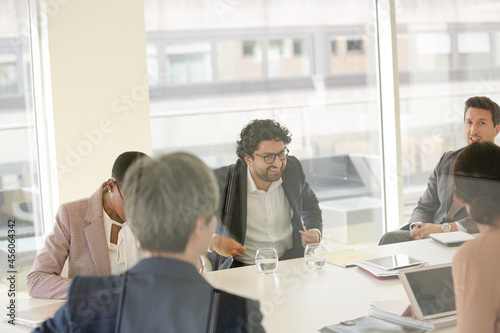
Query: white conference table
x=297, y=299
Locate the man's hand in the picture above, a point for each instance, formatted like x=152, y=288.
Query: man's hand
x=308, y=237
x=227, y=247
x=423, y=230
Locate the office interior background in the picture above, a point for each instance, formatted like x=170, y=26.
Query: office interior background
x=372, y=102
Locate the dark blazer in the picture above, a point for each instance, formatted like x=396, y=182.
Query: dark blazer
x=156, y=295
x=233, y=202
x=437, y=199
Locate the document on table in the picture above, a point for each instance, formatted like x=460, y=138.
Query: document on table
x=348, y=258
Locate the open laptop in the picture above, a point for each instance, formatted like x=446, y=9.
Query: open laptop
x=431, y=294
x=34, y=317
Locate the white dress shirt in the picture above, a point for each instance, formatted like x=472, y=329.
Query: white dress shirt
x=269, y=220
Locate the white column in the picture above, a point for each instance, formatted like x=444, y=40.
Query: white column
x=100, y=96
x=388, y=84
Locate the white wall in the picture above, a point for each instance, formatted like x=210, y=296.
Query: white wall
x=99, y=89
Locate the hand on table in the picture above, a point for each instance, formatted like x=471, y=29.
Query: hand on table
x=308, y=237
x=227, y=247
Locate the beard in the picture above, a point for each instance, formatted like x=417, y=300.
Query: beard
x=269, y=176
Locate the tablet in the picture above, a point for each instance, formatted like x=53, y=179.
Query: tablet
x=395, y=261
x=430, y=290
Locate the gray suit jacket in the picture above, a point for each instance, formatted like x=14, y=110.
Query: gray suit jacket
x=437, y=199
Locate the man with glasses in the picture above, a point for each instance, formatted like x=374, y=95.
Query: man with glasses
x=91, y=233
x=265, y=199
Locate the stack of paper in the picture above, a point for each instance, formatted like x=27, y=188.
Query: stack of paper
x=368, y=324
x=398, y=311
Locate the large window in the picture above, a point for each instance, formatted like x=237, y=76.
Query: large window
x=19, y=181
x=443, y=60
x=313, y=71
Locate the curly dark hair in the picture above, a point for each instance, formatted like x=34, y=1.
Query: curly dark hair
x=482, y=102
x=476, y=176
x=260, y=130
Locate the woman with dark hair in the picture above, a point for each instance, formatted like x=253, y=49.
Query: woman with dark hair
x=476, y=266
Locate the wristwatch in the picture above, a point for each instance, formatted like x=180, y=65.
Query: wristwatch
x=446, y=227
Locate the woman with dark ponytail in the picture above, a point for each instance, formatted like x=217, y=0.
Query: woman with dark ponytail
x=476, y=266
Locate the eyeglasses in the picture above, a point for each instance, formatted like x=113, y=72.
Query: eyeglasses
x=270, y=158
x=117, y=187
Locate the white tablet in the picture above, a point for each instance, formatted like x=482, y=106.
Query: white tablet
x=430, y=290
x=395, y=261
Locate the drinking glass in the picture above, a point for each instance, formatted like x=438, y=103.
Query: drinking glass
x=315, y=256
x=266, y=260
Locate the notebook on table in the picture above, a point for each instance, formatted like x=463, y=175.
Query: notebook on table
x=368, y=324
x=455, y=238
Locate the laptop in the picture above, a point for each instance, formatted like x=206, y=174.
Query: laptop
x=34, y=317
x=431, y=294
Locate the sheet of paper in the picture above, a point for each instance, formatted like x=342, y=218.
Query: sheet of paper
x=347, y=258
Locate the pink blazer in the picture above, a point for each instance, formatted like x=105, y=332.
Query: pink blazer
x=78, y=236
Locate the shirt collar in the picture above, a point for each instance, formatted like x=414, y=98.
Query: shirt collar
x=251, y=187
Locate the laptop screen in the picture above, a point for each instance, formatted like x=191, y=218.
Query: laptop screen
x=431, y=290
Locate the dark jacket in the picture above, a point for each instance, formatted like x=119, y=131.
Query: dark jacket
x=156, y=295
x=233, y=202
x=437, y=199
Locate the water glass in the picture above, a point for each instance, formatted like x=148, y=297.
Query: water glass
x=315, y=256
x=266, y=260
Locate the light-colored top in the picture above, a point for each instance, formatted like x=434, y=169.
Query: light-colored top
x=269, y=219
x=476, y=278
x=125, y=253
x=116, y=268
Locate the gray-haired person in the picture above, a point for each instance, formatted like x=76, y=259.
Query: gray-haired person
x=171, y=204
